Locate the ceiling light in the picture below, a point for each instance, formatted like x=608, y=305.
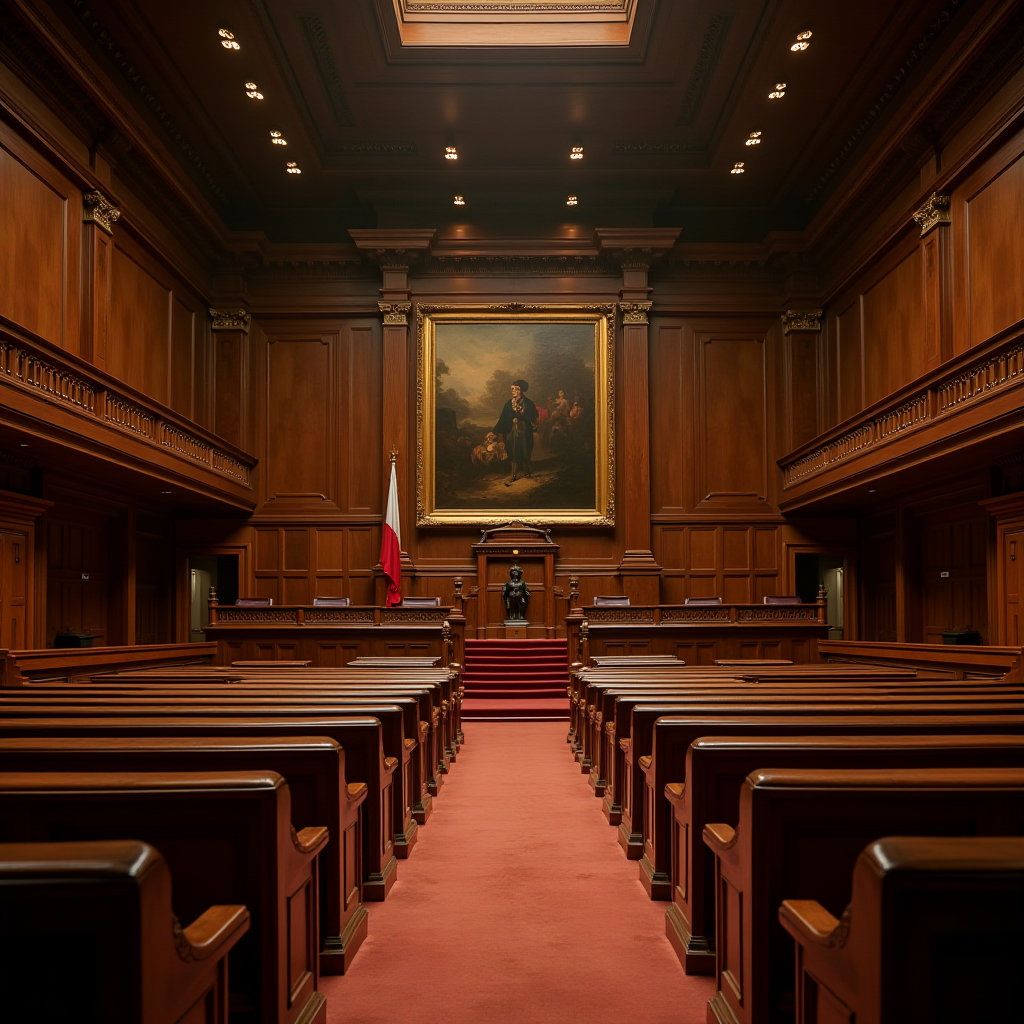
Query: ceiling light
x=459, y=201
x=753, y=139
x=778, y=92
x=577, y=153
x=292, y=167
x=737, y=168
x=227, y=40
x=277, y=138
x=571, y=201
x=802, y=42
x=451, y=153
x=252, y=91
x=166, y=492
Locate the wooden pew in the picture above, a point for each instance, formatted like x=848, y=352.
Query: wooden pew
x=390, y=715
x=421, y=772
x=932, y=933
x=227, y=838
x=715, y=769
x=359, y=736
x=107, y=906
x=798, y=836
x=644, y=836
x=314, y=768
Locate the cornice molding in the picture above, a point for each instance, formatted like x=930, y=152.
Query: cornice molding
x=100, y=211
x=801, y=320
x=710, y=50
x=933, y=212
x=230, y=320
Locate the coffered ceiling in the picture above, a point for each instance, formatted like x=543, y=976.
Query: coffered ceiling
x=662, y=105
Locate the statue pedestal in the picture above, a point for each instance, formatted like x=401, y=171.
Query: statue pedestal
x=516, y=629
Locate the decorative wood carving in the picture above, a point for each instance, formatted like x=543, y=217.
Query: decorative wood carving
x=230, y=320
x=801, y=320
x=99, y=210
x=934, y=212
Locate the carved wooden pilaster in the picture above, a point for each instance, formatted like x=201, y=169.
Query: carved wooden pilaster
x=802, y=333
x=394, y=252
x=99, y=216
x=230, y=329
x=635, y=250
x=933, y=218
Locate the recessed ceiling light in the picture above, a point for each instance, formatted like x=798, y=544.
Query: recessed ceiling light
x=451, y=153
x=459, y=201
x=778, y=92
x=571, y=201
x=577, y=153
x=252, y=91
x=227, y=40
x=292, y=167
x=22, y=445
x=737, y=168
x=871, y=490
x=166, y=492
x=277, y=138
x=753, y=139
x=803, y=40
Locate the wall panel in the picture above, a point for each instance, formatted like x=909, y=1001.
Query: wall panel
x=671, y=395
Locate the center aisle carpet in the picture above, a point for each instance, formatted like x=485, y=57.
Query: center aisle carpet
x=516, y=906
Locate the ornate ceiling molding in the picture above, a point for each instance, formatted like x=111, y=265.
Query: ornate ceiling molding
x=934, y=212
x=326, y=70
x=707, y=59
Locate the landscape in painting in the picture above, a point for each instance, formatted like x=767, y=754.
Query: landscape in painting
x=515, y=416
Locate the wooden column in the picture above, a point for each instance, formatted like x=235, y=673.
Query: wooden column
x=395, y=251
x=802, y=332
x=635, y=250
x=100, y=216
x=231, y=371
x=937, y=278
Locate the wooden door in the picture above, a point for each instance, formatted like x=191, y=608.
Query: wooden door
x=14, y=563
x=1013, y=574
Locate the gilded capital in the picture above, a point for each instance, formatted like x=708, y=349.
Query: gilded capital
x=801, y=320
x=934, y=212
x=99, y=210
x=231, y=320
x=635, y=312
x=395, y=312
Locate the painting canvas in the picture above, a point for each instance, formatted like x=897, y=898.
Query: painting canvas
x=515, y=416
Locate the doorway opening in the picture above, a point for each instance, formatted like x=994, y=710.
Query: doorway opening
x=814, y=571
x=205, y=571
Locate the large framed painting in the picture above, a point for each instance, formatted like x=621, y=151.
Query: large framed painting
x=515, y=415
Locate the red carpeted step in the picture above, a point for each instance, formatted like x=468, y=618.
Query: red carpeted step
x=515, y=679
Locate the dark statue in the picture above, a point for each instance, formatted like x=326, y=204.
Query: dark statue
x=516, y=595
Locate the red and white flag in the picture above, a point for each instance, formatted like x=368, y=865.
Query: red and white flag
x=391, y=545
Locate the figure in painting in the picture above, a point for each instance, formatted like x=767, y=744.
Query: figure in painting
x=516, y=595
x=515, y=425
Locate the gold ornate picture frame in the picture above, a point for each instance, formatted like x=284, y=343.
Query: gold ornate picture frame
x=515, y=414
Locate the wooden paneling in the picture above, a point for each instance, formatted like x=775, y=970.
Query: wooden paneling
x=671, y=392
x=183, y=356
x=849, y=359
x=993, y=219
x=732, y=420
x=39, y=245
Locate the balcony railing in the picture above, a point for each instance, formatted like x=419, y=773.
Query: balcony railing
x=73, y=384
x=977, y=376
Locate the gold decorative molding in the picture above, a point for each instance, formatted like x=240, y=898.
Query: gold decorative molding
x=395, y=312
x=99, y=210
x=934, y=212
x=231, y=320
x=801, y=320
x=635, y=312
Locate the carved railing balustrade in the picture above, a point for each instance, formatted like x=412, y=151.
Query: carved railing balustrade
x=982, y=374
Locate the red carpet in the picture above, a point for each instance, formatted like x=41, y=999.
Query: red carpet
x=516, y=907
x=515, y=680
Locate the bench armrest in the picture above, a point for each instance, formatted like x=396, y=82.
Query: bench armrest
x=410, y=744
x=390, y=764
x=645, y=763
x=357, y=792
x=213, y=932
x=624, y=745
x=675, y=791
x=809, y=922
x=720, y=837
x=310, y=839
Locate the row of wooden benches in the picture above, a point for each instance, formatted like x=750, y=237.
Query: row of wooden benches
x=280, y=797
x=739, y=787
